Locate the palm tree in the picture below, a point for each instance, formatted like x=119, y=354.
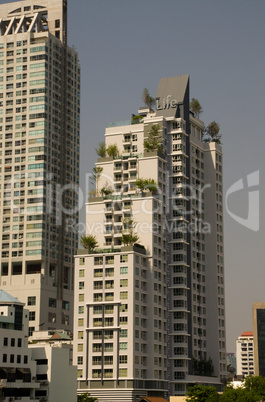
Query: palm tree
x=89, y=242
x=96, y=173
x=130, y=238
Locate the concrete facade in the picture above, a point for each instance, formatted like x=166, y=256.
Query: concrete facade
x=39, y=139
x=17, y=370
x=54, y=370
x=245, y=354
x=178, y=291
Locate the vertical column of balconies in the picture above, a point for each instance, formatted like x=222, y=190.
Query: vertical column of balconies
x=178, y=268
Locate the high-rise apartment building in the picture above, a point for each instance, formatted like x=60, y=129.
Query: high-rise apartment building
x=39, y=130
x=150, y=318
x=245, y=354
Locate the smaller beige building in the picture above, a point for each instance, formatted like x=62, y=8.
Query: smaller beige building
x=245, y=354
x=52, y=352
x=17, y=370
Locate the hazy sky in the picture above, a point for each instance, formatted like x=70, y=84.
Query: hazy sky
x=125, y=46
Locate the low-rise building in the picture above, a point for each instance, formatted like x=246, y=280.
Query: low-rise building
x=52, y=352
x=17, y=370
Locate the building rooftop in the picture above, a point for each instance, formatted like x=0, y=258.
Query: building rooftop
x=7, y=298
x=247, y=333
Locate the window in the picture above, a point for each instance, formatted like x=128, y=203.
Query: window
x=123, y=372
x=80, y=335
x=65, y=305
x=108, y=373
x=32, y=316
x=124, y=258
x=52, y=302
x=19, y=342
x=123, y=270
x=52, y=317
x=81, y=297
x=79, y=359
x=124, y=308
x=4, y=358
x=81, y=273
x=123, y=333
x=124, y=320
x=80, y=347
x=32, y=301
x=80, y=322
x=123, y=359
x=124, y=295
x=123, y=283
x=97, y=309
x=81, y=309
x=123, y=345
x=5, y=343
x=108, y=347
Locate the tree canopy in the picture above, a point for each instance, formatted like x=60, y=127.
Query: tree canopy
x=101, y=150
x=202, y=393
x=129, y=238
x=211, y=133
x=86, y=398
x=113, y=150
x=154, y=140
x=89, y=242
x=148, y=100
x=252, y=390
x=195, y=107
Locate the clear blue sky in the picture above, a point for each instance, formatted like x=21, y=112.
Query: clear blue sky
x=125, y=46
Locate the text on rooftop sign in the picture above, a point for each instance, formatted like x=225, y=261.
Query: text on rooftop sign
x=166, y=103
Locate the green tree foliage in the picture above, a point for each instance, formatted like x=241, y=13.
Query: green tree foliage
x=148, y=100
x=101, y=150
x=113, y=150
x=212, y=133
x=106, y=191
x=154, y=140
x=146, y=185
x=89, y=242
x=252, y=390
x=202, y=393
x=96, y=174
x=129, y=238
x=137, y=119
x=195, y=107
x=86, y=398
x=203, y=367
